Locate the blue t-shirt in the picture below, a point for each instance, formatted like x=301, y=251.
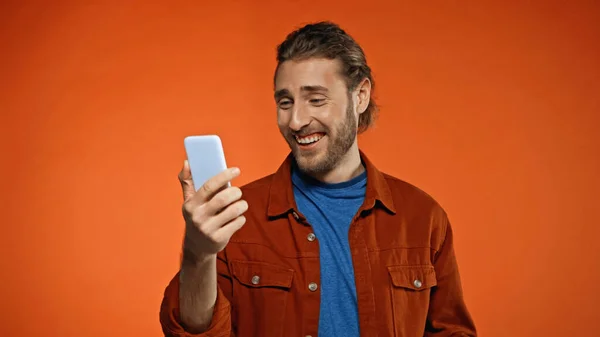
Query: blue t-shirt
x=329, y=209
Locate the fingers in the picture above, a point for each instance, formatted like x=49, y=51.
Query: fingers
x=210, y=225
x=214, y=212
x=222, y=199
x=210, y=188
x=185, y=178
x=227, y=231
x=228, y=214
x=211, y=222
x=215, y=184
x=222, y=208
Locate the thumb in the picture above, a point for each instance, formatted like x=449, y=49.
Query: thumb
x=185, y=178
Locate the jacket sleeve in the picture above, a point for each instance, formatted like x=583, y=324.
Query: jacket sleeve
x=448, y=314
x=220, y=325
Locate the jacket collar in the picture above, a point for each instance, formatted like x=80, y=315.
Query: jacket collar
x=281, y=193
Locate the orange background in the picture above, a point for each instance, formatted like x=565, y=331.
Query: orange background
x=491, y=108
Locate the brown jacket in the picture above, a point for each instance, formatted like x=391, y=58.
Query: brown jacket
x=407, y=279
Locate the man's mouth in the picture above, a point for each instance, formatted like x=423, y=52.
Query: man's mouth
x=309, y=139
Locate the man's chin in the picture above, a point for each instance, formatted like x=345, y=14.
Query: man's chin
x=307, y=155
x=309, y=163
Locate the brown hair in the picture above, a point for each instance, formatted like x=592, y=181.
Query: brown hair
x=326, y=39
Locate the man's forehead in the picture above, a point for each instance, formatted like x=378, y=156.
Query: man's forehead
x=314, y=72
x=305, y=88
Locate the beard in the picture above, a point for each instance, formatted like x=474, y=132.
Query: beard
x=338, y=144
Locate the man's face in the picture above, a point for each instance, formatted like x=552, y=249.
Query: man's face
x=315, y=113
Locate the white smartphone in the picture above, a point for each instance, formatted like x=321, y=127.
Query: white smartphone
x=206, y=158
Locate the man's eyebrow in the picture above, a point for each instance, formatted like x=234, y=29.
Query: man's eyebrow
x=280, y=93
x=307, y=88
x=313, y=88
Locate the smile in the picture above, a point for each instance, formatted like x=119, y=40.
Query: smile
x=309, y=139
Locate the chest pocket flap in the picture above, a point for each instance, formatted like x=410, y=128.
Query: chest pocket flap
x=261, y=274
x=413, y=277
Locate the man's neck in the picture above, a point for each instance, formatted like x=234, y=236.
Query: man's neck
x=349, y=167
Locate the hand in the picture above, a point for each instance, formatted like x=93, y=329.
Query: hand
x=212, y=214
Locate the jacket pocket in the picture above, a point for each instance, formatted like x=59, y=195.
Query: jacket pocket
x=410, y=290
x=260, y=295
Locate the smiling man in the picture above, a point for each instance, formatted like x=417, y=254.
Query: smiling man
x=327, y=245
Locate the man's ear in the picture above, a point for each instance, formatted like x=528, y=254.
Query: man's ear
x=363, y=95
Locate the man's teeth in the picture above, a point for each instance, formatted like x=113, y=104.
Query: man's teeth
x=308, y=140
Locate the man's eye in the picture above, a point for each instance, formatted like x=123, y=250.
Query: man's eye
x=285, y=104
x=317, y=101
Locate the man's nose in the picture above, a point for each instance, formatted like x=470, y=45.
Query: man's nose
x=300, y=118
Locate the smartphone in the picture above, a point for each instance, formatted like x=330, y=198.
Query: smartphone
x=206, y=158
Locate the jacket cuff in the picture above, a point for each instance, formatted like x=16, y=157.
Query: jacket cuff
x=170, y=320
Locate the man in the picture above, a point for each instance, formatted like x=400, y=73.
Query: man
x=326, y=246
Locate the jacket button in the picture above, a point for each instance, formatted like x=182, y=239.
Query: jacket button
x=311, y=237
x=312, y=286
x=417, y=283
x=295, y=215
x=255, y=279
